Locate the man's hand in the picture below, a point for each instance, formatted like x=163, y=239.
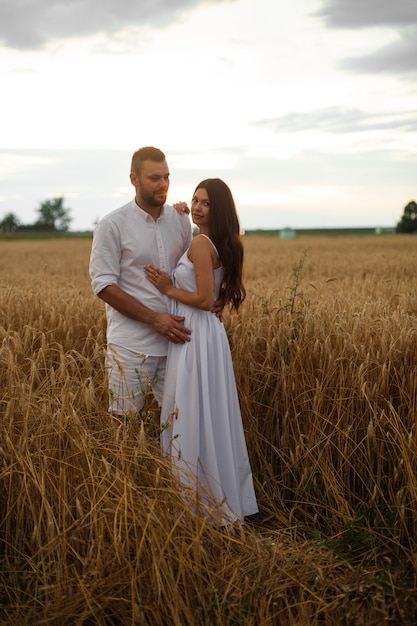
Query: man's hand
x=171, y=327
x=218, y=306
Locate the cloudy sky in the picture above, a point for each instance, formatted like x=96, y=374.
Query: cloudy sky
x=307, y=109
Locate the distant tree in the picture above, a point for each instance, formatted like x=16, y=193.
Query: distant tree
x=408, y=222
x=9, y=224
x=53, y=216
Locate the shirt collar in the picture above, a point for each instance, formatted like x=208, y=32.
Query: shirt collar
x=144, y=214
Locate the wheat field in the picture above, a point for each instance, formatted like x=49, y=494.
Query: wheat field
x=93, y=529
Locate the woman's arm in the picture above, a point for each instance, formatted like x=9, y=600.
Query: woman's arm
x=201, y=254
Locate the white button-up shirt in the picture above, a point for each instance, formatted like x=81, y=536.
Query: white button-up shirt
x=124, y=242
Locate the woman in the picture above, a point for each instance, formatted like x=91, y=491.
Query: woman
x=200, y=416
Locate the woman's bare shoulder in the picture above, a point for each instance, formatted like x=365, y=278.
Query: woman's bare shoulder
x=200, y=242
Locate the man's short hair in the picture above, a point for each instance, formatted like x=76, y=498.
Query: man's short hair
x=148, y=153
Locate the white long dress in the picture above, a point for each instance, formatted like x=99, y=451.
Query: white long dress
x=201, y=421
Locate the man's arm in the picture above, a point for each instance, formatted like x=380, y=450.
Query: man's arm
x=168, y=325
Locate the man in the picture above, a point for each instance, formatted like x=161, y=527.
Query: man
x=142, y=232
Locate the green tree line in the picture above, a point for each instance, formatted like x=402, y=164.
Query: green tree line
x=53, y=216
x=408, y=221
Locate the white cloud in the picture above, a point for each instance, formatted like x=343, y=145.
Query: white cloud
x=397, y=20
x=31, y=24
x=360, y=13
x=287, y=104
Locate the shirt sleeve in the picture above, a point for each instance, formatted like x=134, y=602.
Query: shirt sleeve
x=105, y=256
x=186, y=232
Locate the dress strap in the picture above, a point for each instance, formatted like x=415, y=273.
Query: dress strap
x=201, y=235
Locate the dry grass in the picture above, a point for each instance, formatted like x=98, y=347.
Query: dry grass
x=92, y=530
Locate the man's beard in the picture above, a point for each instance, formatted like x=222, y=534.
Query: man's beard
x=151, y=200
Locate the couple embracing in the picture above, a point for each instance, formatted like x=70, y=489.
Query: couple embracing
x=164, y=293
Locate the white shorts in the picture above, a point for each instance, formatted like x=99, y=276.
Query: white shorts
x=131, y=376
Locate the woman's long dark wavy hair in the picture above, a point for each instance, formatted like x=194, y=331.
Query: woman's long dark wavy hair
x=224, y=231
